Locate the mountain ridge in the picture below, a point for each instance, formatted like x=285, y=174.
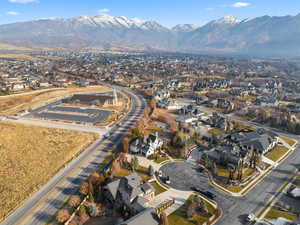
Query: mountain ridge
x=264, y=35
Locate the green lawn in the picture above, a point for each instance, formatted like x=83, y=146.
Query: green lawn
x=160, y=159
x=216, y=131
x=158, y=189
x=243, y=117
x=277, y=153
x=179, y=217
x=290, y=141
x=215, y=109
x=274, y=214
x=141, y=171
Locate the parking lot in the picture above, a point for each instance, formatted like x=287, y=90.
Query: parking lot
x=72, y=114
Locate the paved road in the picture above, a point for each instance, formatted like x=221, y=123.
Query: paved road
x=184, y=175
x=40, y=208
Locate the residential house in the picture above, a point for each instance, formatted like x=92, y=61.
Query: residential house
x=215, y=120
x=159, y=95
x=146, y=146
x=240, y=147
x=191, y=110
x=260, y=140
x=204, y=83
x=146, y=217
x=129, y=193
x=173, y=85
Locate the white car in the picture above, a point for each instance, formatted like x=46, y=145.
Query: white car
x=160, y=173
x=250, y=217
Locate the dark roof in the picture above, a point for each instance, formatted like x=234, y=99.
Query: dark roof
x=146, y=217
x=146, y=187
x=261, y=143
x=113, y=187
x=138, y=203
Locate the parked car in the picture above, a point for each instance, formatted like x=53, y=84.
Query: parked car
x=209, y=195
x=167, y=180
x=196, y=189
x=160, y=173
x=200, y=169
x=250, y=218
x=205, y=193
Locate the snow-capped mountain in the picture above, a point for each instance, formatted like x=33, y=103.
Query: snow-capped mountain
x=227, y=20
x=107, y=21
x=262, y=35
x=184, y=27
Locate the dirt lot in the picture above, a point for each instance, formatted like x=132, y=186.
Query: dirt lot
x=30, y=156
x=11, y=105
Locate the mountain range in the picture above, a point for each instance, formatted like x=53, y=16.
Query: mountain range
x=264, y=35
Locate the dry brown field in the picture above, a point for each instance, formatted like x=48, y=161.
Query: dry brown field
x=30, y=156
x=10, y=105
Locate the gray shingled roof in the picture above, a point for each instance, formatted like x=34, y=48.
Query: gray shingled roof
x=139, y=203
x=145, y=217
x=113, y=187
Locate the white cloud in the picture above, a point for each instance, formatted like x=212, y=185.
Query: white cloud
x=240, y=4
x=22, y=1
x=12, y=13
x=209, y=9
x=103, y=10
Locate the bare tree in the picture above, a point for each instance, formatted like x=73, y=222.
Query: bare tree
x=84, y=188
x=63, y=215
x=74, y=201
x=125, y=143
x=164, y=219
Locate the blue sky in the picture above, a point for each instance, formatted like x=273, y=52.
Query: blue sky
x=166, y=12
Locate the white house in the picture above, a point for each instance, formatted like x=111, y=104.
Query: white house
x=146, y=146
x=159, y=95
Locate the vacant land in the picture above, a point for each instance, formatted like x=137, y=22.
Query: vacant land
x=30, y=156
x=17, y=56
x=10, y=105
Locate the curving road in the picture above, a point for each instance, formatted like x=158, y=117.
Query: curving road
x=41, y=207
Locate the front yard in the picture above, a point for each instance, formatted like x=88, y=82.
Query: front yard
x=225, y=174
x=290, y=141
x=277, y=153
x=158, y=189
x=141, y=171
x=180, y=217
x=274, y=214
x=216, y=131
